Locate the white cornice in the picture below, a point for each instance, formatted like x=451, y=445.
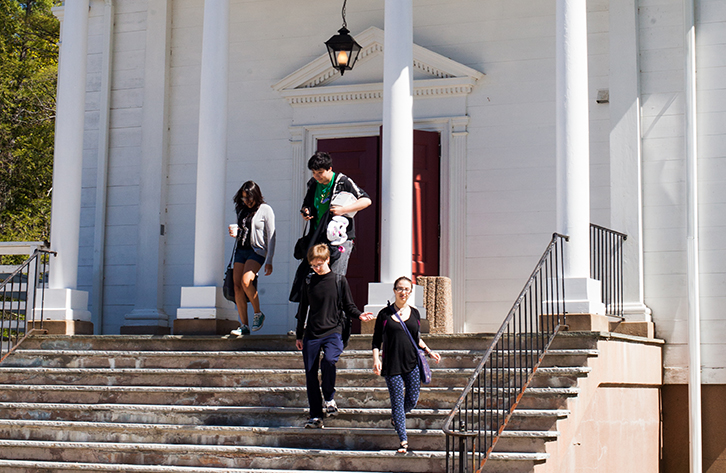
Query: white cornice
x=310, y=83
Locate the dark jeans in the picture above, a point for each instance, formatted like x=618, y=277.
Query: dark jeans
x=332, y=347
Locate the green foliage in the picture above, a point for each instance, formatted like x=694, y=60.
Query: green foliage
x=28, y=75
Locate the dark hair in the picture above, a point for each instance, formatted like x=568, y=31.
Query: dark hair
x=319, y=251
x=320, y=160
x=253, y=191
x=402, y=278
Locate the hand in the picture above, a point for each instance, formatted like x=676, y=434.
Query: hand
x=337, y=210
x=298, y=344
x=268, y=269
x=435, y=356
x=305, y=212
x=377, y=366
x=366, y=316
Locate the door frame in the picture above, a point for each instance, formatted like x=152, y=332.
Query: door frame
x=453, y=135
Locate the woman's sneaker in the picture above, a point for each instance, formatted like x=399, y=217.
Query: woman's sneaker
x=258, y=321
x=314, y=423
x=330, y=408
x=243, y=330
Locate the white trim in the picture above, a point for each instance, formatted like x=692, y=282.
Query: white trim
x=309, y=84
x=453, y=130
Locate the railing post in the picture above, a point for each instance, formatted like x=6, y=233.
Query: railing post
x=462, y=447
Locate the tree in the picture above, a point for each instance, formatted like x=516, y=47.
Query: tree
x=29, y=36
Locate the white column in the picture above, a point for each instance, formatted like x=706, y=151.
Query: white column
x=397, y=159
x=68, y=154
x=148, y=315
x=626, y=201
x=63, y=301
x=573, y=155
x=204, y=299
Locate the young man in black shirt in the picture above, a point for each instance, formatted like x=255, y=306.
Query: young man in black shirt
x=320, y=328
x=332, y=196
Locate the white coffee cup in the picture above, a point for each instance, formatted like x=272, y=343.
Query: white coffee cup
x=234, y=229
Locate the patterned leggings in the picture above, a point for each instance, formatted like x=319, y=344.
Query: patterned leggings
x=404, y=391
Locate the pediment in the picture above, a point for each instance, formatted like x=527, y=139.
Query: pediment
x=317, y=82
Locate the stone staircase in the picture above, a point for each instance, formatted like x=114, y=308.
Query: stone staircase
x=211, y=404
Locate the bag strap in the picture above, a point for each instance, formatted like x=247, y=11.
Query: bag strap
x=231, y=258
x=410, y=337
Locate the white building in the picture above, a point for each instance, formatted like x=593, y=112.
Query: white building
x=184, y=100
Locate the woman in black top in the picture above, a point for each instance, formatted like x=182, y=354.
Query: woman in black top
x=399, y=363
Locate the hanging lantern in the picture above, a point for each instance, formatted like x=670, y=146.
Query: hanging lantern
x=342, y=48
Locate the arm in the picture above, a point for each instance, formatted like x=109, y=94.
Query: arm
x=271, y=236
x=377, y=342
x=308, y=208
x=359, y=204
x=302, y=312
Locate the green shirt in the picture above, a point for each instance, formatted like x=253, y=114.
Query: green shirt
x=323, y=193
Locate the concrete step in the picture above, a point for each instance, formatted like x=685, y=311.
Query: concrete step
x=254, y=342
x=441, y=377
x=30, y=466
x=254, y=416
x=222, y=456
x=208, y=415
x=286, y=396
x=291, y=437
x=117, y=359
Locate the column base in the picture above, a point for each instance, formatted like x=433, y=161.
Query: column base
x=637, y=312
x=379, y=294
x=65, y=327
x=583, y=296
x=64, y=304
x=205, y=311
x=146, y=322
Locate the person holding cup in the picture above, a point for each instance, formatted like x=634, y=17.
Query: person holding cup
x=255, y=246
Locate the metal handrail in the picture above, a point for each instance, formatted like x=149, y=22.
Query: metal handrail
x=509, y=364
x=606, y=266
x=22, y=296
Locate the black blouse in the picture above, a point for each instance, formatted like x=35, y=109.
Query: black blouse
x=399, y=354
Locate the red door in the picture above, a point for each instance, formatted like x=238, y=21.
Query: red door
x=359, y=159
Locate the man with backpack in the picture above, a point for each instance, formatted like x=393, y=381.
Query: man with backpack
x=331, y=201
x=322, y=321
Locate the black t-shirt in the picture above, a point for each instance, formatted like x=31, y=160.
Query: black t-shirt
x=320, y=296
x=399, y=355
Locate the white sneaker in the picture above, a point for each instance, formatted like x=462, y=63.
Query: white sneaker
x=330, y=408
x=243, y=330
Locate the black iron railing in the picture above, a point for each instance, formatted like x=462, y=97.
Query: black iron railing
x=606, y=265
x=21, y=295
x=496, y=387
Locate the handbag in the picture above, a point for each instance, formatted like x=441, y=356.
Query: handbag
x=302, y=244
x=423, y=365
x=228, y=286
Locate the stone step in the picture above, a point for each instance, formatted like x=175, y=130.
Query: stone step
x=441, y=377
x=254, y=342
x=510, y=462
x=336, y=438
x=29, y=466
x=117, y=359
x=293, y=437
x=222, y=456
x=254, y=416
x=286, y=396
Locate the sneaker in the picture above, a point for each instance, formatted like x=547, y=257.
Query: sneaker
x=330, y=408
x=257, y=322
x=314, y=423
x=243, y=330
